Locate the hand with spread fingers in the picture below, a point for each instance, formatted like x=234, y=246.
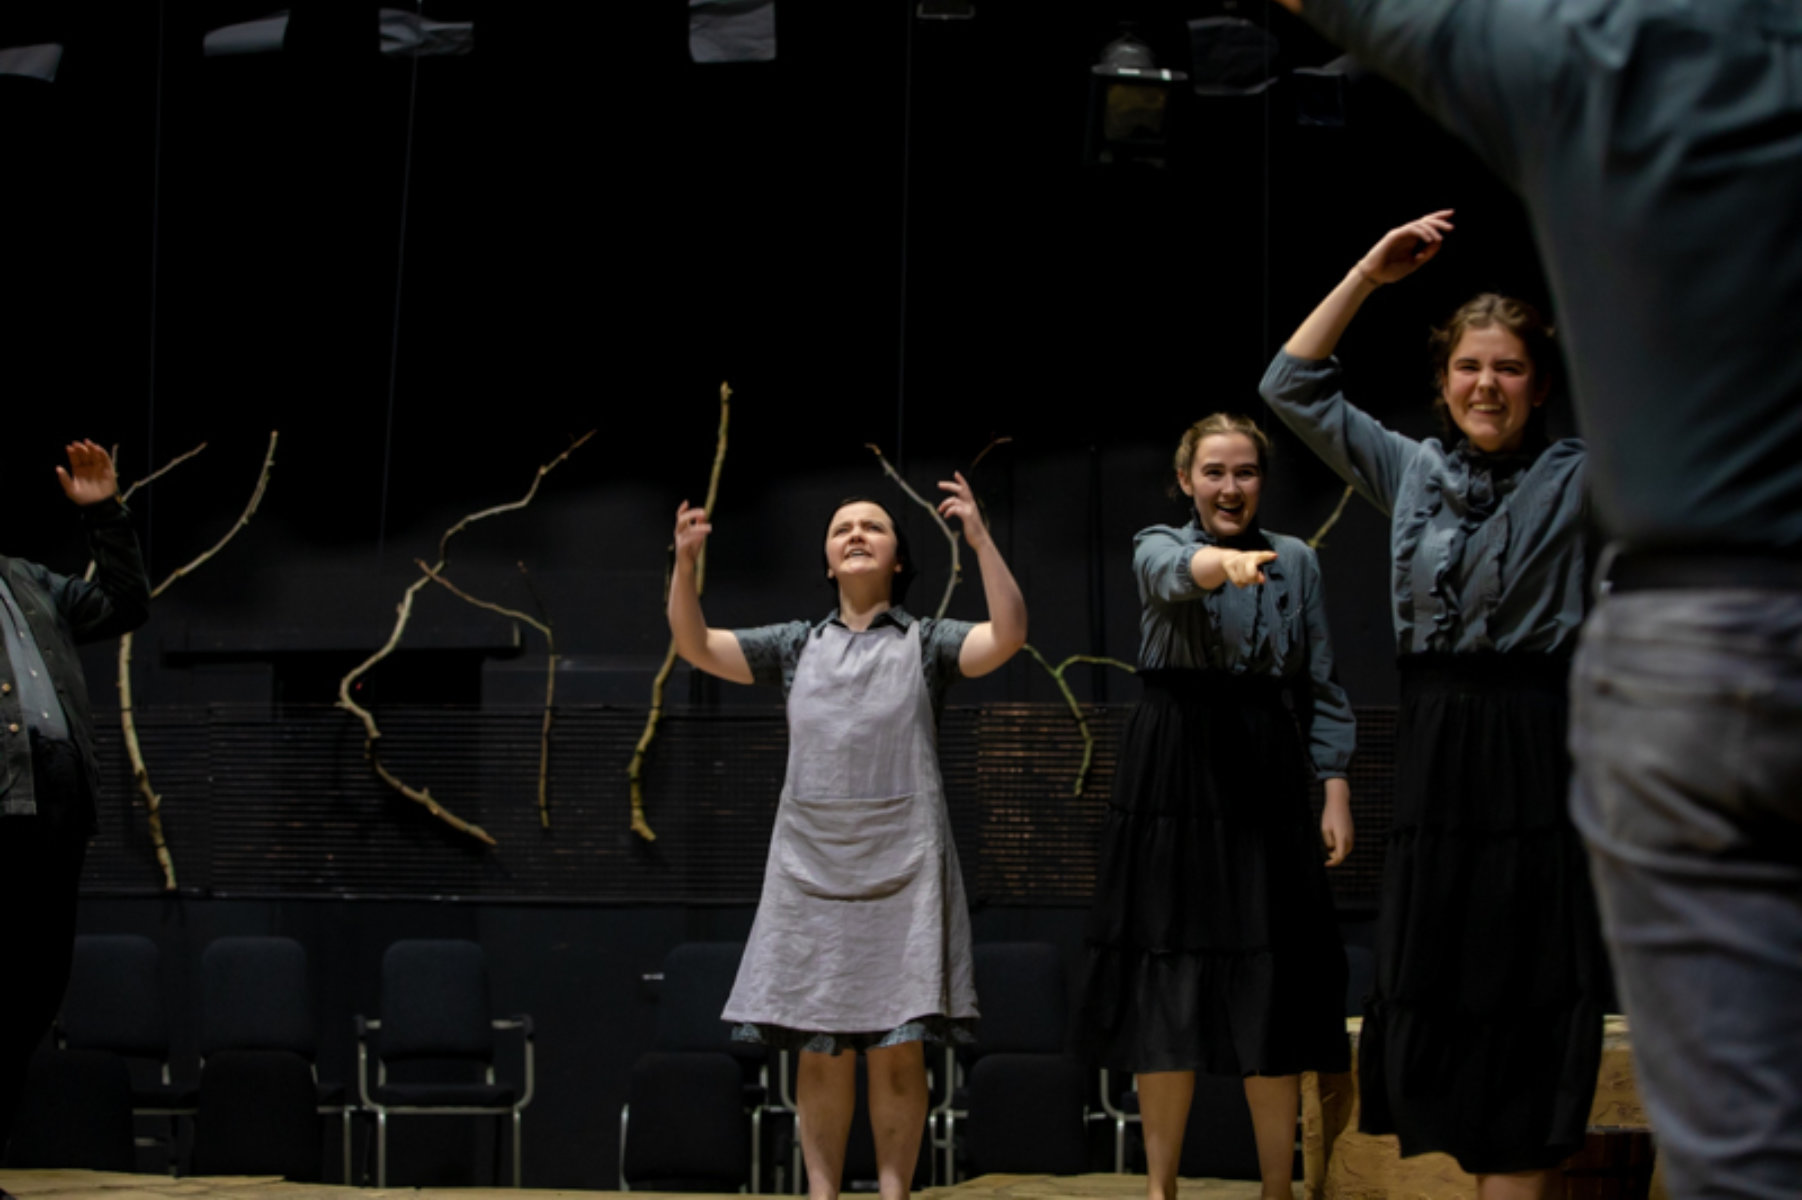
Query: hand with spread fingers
x=89, y=477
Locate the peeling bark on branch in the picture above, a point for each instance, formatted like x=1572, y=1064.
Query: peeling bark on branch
x=403, y=612
x=635, y=771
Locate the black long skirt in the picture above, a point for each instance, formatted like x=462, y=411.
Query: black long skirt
x=1485, y=1032
x=1212, y=943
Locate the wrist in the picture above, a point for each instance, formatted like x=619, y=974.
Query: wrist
x=1362, y=275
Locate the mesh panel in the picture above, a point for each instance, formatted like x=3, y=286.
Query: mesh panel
x=259, y=805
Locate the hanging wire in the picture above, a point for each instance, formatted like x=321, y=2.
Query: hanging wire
x=156, y=251
x=907, y=118
x=400, y=272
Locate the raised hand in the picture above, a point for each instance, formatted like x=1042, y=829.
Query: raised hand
x=692, y=528
x=1406, y=248
x=89, y=478
x=961, y=503
x=1246, y=567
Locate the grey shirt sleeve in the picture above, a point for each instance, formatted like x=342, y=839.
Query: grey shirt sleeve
x=941, y=641
x=1331, y=729
x=1162, y=560
x=771, y=651
x=1487, y=69
x=1307, y=395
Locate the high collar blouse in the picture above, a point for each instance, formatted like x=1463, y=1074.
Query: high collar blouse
x=1487, y=552
x=1275, y=629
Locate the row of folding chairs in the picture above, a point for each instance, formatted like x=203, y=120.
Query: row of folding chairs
x=259, y=1100
x=703, y=1112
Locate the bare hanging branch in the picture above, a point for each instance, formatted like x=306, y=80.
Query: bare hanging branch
x=134, y=750
x=145, y=482
x=957, y=567
x=161, y=471
x=403, y=613
x=550, y=638
x=1070, y=702
x=550, y=696
x=998, y=440
x=1320, y=534
x=635, y=771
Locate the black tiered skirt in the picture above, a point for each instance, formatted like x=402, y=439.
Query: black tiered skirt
x=1485, y=1033
x=1212, y=943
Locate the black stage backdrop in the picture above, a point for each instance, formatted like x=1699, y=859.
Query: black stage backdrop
x=430, y=274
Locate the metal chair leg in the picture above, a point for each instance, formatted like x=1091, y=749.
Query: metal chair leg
x=518, y=1166
x=381, y=1148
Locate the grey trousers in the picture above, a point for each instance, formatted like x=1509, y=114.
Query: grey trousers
x=1687, y=734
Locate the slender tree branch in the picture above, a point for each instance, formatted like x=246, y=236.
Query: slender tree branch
x=161, y=471
x=984, y=453
x=635, y=770
x=957, y=568
x=134, y=750
x=403, y=612
x=1320, y=534
x=550, y=683
x=1076, y=712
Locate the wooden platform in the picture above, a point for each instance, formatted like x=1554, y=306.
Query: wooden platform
x=102, y=1185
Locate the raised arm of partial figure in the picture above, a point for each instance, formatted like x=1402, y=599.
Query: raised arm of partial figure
x=997, y=639
x=715, y=651
x=1399, y=253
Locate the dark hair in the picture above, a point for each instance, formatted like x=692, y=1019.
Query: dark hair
x=1492, y=310
x=1214, y=425
x=903, y=551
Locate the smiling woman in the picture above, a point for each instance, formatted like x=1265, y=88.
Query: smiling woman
x=1483, y=1036
x=1211, y=943
x=862, y=935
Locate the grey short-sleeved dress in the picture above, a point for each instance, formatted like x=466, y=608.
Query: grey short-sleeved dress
x=862, y=935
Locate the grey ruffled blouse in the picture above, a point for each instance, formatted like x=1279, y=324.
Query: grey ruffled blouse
x=1487, y=552
x=1277, y=628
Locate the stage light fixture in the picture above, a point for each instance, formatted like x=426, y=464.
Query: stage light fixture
x=945, y=10
x=726, y=31
x=32, y=62
x=1133, y=105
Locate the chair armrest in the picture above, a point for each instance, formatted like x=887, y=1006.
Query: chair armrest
x=523, y=1023
x=365, y=1026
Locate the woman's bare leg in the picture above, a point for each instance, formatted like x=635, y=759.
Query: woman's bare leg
x=1518, y=1185
x=897, y=1113
x=825, y=1095
x=1274, y=1101
x=1164, y=1098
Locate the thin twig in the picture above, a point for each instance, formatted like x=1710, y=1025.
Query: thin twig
x=957, y=568
x=550, y=696
x=161, y=471
x=544, y=734
x=144, y=482
x=1320, y=534
x=134, y=750
x=993, y=442
x=635, y=771
x=403, y=612
x=1076, y=712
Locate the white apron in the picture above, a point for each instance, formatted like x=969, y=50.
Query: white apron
x=863, y=925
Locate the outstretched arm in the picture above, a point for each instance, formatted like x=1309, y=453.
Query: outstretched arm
x=715, y=651
x=1400, y=252
x=995, y=640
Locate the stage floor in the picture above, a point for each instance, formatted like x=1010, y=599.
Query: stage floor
x=103, y=1185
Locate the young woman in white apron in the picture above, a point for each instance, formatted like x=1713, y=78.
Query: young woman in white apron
x=862, y=937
